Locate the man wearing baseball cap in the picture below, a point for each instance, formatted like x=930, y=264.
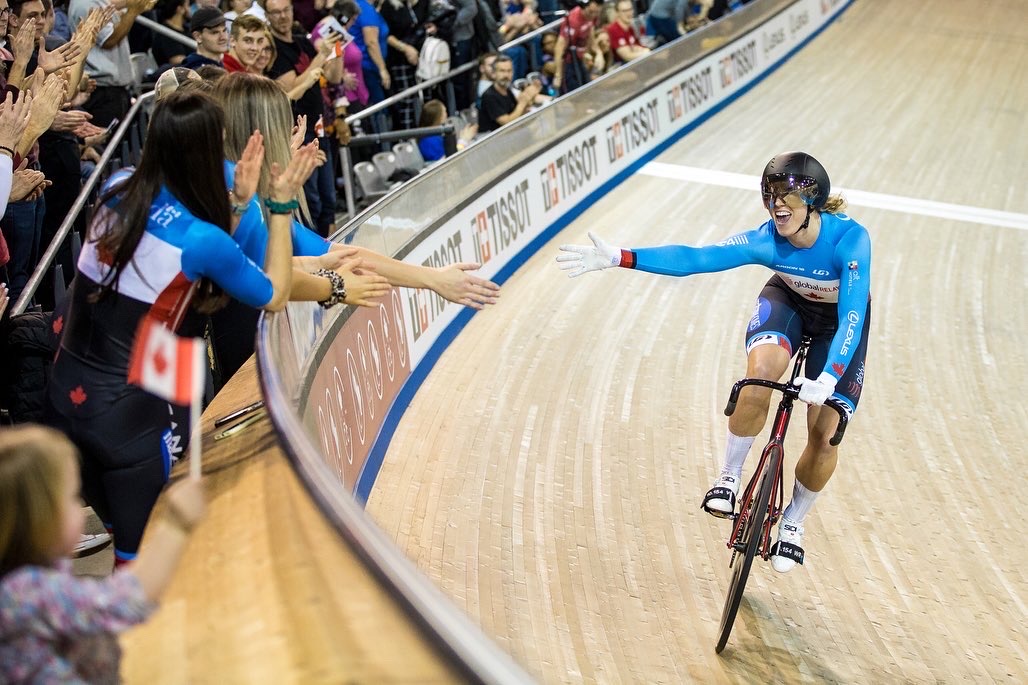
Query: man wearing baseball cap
x=208, y=27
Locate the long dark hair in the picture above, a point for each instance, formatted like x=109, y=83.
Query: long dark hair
x=184, y=151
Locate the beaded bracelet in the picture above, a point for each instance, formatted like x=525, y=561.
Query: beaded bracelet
x=338, y=288
x=281, y=207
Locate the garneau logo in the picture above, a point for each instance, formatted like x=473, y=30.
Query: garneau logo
x=819, y=272
x=851, y=330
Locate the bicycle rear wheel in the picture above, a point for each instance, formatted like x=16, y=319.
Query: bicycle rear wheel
x=748, y=540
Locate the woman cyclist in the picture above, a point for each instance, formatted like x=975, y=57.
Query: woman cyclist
x=821, y=261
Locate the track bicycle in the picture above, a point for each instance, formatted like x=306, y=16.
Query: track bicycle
x=760, y=506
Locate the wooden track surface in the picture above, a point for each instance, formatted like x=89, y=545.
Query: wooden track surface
x=267, y=592
x=549, y=472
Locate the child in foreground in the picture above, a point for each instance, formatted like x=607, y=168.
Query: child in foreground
x=55, y=626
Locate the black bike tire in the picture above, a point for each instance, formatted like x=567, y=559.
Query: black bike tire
x=751, y=539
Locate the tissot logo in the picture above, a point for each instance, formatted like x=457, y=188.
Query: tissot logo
x=425, y=305
x=569, y=172
x=501, y=222
x=696, y=89
x=738, y=64
x=632, y=130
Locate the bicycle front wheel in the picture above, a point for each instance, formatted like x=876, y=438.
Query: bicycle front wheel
x=755, y=510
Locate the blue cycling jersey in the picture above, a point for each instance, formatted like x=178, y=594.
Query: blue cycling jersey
x=175, y=250
x=252, y=231
x=836, y=269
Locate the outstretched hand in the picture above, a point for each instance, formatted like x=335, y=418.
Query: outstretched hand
x=62, y=57
x=457, y=285
x=363, y=285
x=580, y=259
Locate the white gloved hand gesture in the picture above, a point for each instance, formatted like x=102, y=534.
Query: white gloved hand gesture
x=580, y=259
x=816, y=391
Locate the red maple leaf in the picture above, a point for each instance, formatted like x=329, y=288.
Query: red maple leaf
x=159, y=362
x=814, y=296
x=77, y=396
x=58, y=325
x=838, y=368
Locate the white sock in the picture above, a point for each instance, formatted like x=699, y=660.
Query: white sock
x=801, y=504
x=735, y=454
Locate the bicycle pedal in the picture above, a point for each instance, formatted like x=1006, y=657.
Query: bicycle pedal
x=731, y=516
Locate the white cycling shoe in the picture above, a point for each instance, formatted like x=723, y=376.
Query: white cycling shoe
x=788, y=551
x=720, y=499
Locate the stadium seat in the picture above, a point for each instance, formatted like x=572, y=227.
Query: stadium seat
x=408, y=156
x=370, y=181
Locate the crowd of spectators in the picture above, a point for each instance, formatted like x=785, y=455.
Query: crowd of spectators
x=333, y=58
x=249, y=70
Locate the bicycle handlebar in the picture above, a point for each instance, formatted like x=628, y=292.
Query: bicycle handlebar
x=792, y=392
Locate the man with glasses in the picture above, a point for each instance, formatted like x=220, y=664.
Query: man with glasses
x=624, y=37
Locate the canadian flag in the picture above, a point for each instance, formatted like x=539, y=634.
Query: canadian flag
x=166, y=365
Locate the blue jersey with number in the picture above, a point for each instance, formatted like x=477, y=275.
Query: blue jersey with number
x=836, y=269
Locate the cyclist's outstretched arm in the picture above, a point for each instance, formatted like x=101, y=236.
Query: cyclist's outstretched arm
x=670, y=260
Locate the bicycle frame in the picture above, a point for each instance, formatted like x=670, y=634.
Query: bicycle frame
x=760, y=506
x=775, y=445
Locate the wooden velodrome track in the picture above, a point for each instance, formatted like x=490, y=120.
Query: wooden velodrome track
x=549, y=472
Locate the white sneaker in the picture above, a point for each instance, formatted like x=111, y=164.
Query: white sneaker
x=90, y=543
x=788, y=551
x=720, y=499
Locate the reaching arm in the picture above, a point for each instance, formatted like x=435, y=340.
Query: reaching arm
x=452, y=282
x=133, y=8
x=669, y=260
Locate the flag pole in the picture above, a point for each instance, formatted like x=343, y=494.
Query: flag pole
x=196, y=437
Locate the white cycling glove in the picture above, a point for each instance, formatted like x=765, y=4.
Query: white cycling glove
x=816, y=391
x=579, y=259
